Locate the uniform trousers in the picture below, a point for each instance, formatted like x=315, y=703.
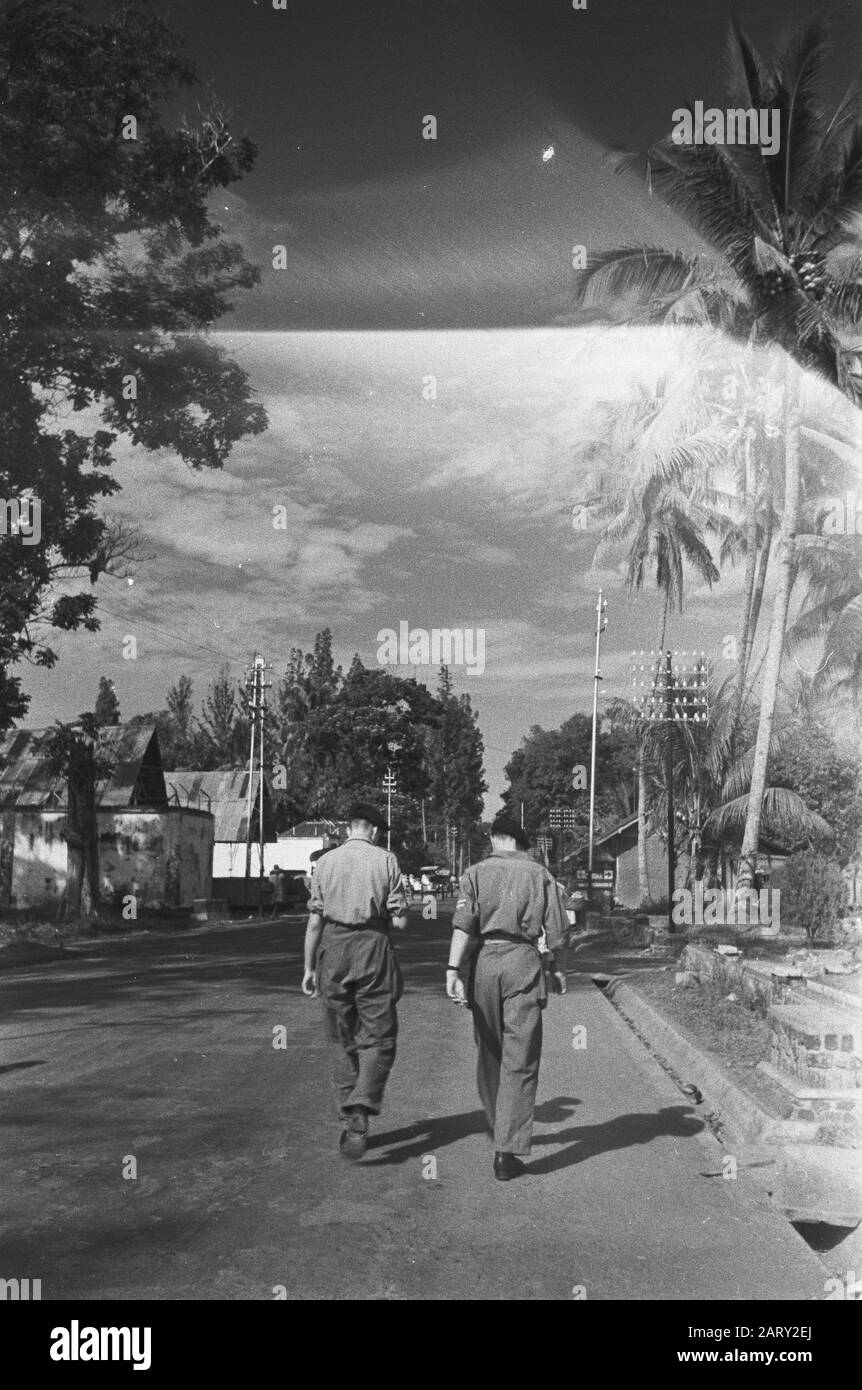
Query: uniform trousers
x=507, y=995
x=360, y=983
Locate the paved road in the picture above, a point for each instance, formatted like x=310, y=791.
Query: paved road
x=161, y=1050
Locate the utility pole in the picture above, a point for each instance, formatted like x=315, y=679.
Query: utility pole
x=668, y=777
x=264, y=686
x=389, y=786
x=601, y=624
x=671, y=697
x=251, y=706
x=257, y=686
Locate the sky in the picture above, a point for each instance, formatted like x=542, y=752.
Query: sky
x=427, y=390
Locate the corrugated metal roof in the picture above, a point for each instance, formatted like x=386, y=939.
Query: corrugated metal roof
x=311, y=829
x=225, y=793
x=27, y=781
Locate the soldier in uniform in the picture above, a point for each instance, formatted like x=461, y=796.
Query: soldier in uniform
x=506, y=904
x=357, y=894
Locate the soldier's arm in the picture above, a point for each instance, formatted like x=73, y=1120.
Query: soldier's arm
x=465, y=923
x=313, y=933
x=396, y=903
x=556, y=923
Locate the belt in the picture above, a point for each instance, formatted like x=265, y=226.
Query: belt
x=512, y=940
x=376, y=925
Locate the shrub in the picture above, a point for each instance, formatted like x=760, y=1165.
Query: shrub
x=813, y=892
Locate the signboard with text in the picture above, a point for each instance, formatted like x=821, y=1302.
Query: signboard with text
x=602, y=879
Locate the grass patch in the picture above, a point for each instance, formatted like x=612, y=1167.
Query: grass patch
x=736, y=1035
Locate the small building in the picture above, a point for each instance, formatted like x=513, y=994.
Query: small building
x=296, y=846
x=619, y=846
x=159, y=853
x=229, y=793
x=225, y=792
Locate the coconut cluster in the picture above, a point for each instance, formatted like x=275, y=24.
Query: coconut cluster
x=808, y=272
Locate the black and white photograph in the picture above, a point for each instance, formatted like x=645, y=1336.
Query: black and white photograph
x=431, y=666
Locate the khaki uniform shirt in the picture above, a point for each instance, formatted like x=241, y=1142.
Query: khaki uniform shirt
x=358, y=884
x=509, y=894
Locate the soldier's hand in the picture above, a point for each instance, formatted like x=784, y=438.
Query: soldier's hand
x=561, y=984
x=309, y=984
x=455, y=989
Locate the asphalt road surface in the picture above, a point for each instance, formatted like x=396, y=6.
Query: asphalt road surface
x=156, y=1144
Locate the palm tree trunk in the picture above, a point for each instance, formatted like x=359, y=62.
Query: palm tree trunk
x=643, y=871
x=772, y=663
x=745, y=638
x=759, y=585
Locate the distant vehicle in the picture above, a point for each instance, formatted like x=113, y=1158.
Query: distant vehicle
x=434, y=879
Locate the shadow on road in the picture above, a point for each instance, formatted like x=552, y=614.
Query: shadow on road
x=580, y=1143
x=588, y=1141
x=20, y=1066
x=426, y=1136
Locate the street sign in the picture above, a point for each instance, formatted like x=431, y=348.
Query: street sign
x=601, y=878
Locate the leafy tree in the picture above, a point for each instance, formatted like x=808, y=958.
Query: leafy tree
x=303, y=743
x=223, y=741
x=72, y=749
x=178, y=738
x=338, y=734
x=111, y=271
x=540, y=773
x=455, y=754
x=809, y=761
x=813, y=892
x=107, y=709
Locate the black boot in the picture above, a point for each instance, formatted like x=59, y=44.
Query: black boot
x=507, y=1166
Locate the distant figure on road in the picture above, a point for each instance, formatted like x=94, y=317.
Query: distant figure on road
x=506, y=904
x=357, y=893
x=276, y=878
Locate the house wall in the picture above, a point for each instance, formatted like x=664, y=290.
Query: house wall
x=162, y=857
x=7, y=847
x=291, y=853
x=628, y=890
x=38, y=858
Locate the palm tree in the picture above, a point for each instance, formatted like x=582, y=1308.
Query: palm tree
x=645, y=504
x=711, y=779
x=832, y=609
x=783, y=269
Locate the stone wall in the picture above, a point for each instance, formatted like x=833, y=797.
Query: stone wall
x=821, y=1048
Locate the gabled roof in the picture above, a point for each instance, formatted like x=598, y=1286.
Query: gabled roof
x=313, y=829
x=225, y=793
x=27, y=781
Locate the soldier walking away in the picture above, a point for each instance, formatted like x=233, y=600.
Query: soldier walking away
x=506, y=904
x=357, y=894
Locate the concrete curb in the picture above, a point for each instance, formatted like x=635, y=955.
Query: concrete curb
x=730, y=1108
